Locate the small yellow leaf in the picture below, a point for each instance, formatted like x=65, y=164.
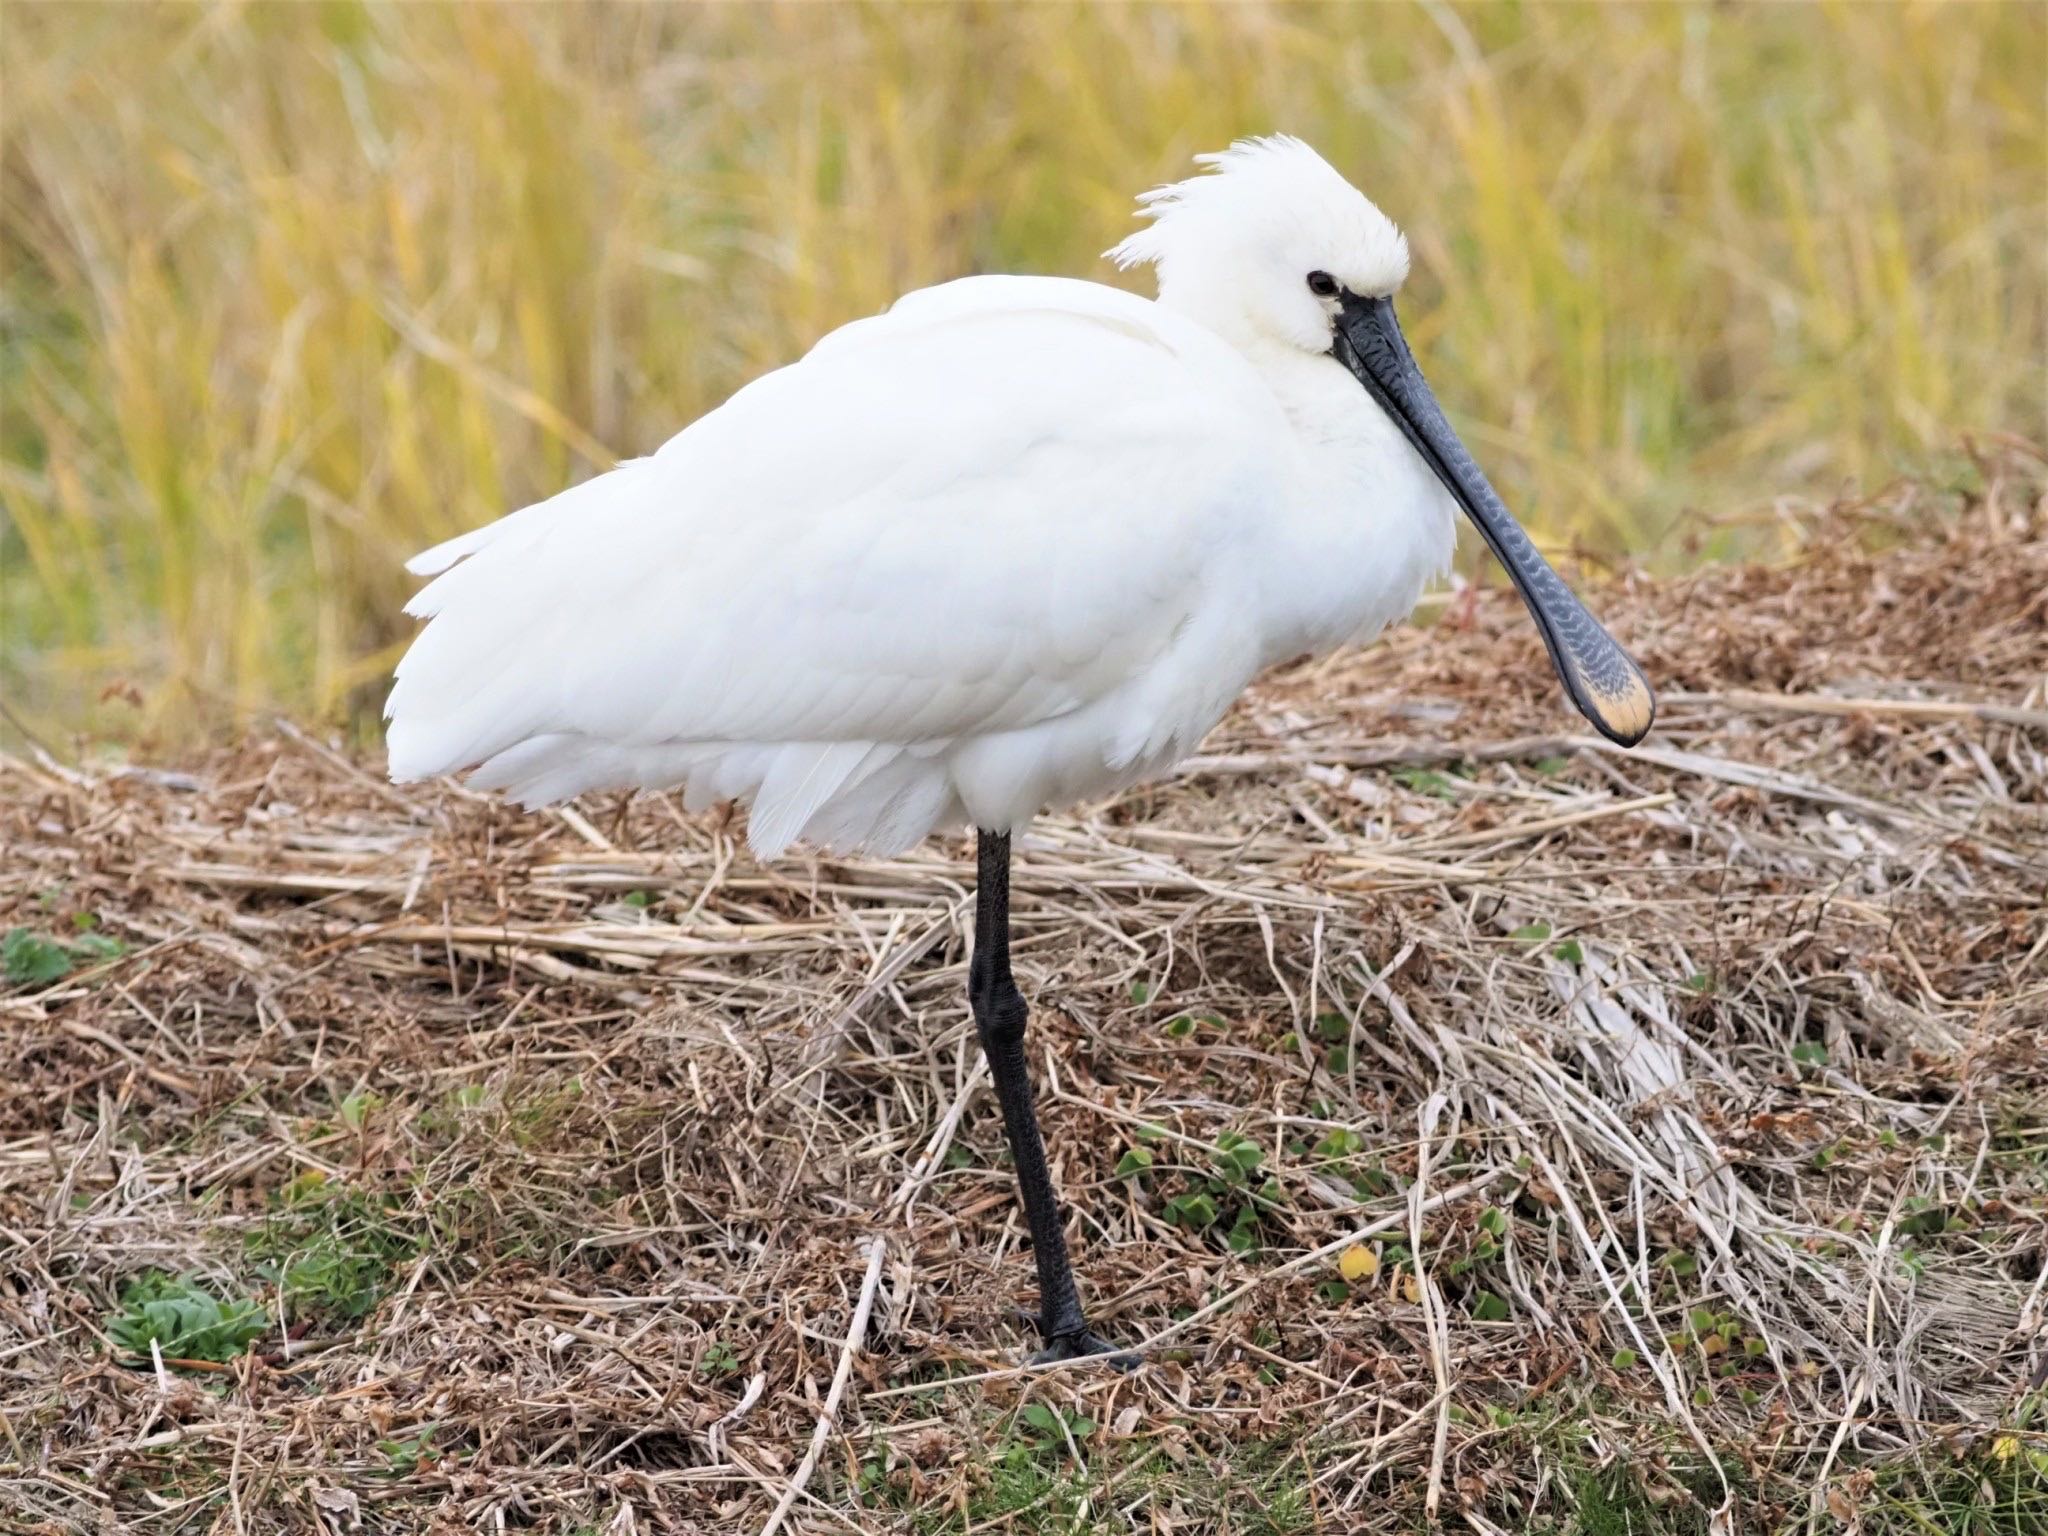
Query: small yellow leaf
x=2005, y=1447
x=1358, y=1262
x=1713, y=1344
x=1411, y=1289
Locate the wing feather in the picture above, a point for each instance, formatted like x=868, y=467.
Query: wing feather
x=980, y=511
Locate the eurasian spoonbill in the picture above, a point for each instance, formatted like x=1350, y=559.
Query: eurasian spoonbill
x=1016, y=542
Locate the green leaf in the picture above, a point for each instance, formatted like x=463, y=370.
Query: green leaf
x=1624, y=1360
x=1925, y=1222
x=1550, y=767
x=1332, y=1026
x=99, y=946
x=1700, y=981
x=1810, y=1053
x=1531, y=933
x=1570, y=952
x=32, y=961
x=1680, y=1262
x=1180, y=1028
x=1494, y=1220
x=1244, y=1232
x=1369, y=1183
x=1338, y=1059
x=1080, y=1426
x=357, y=1108
x=407, y=1456
x=1340, y=1143
x=1040, y=1417
x=1334, y=1291
x=641, y=899
x=306, y=1184
x=184, y=1319
x=1133, y=1162
x=1426, y=781
x=1489, y=1308
x=1193, y=1211
x=1141, y=992
x=1701, y=1320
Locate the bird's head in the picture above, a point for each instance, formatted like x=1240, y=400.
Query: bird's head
x=1263, y=246
x=1274, y=248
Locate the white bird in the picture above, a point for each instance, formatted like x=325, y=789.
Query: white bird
x=1016, y=542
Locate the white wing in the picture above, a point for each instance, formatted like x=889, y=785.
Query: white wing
x=978, y=512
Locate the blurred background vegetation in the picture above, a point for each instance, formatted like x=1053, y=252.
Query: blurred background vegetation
x=294, y=289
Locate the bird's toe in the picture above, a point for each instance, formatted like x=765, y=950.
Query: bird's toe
x=1082, y=1345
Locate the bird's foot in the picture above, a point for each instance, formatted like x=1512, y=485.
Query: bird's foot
x=1083, y=1343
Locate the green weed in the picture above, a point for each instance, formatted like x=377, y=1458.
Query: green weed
x=1232, y=1184
x=333, y=1252
x=184, y=1319
x=720, y=1359
x=29, y=959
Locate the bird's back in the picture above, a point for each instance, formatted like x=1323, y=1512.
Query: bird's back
x=962, y=560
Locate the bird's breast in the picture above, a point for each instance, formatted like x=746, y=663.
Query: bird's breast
x=1365, y=531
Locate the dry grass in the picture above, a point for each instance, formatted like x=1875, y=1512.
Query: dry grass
x=294, y=290
x=1691, y=1099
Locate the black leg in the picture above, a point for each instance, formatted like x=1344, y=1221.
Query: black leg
x=1000, y=1013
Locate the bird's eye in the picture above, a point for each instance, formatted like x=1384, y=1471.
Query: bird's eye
x=1322, y=285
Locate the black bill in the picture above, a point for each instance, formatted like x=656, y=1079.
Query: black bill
x=1603, y=681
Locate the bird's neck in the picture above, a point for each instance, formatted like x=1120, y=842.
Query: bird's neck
x=1368, y=526
x=1363, y=526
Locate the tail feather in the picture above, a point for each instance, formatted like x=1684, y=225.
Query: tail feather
x=802, y=778
x=893, y=807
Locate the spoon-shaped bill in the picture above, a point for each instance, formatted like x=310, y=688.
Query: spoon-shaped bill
x=1601, y=678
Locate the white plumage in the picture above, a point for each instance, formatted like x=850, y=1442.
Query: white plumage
x=1015, y=542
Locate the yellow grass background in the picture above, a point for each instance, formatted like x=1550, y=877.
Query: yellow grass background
x=294, y=289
